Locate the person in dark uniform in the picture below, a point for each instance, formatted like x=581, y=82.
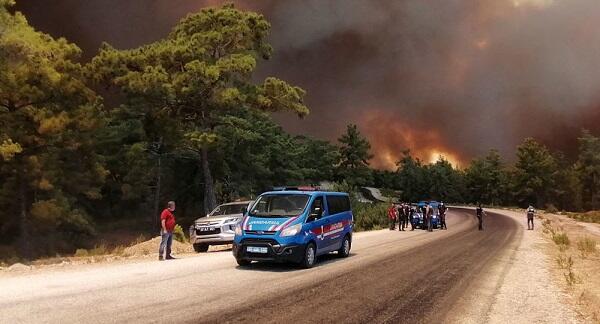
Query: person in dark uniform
x=410, y=213
x=442, y=211
x=480, y=214
x=402, y=217
x=405, y=214
x=530, y=213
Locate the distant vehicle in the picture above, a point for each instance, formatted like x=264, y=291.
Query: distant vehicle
x=218, y=227
x=418, y=220
x=295, y=226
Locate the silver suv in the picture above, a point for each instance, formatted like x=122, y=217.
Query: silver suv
x=218, y=227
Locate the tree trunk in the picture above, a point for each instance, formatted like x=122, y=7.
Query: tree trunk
x=24, y=237
x=210, y=200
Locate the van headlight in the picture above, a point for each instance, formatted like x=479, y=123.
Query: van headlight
x=292, y=230
x=238, y=230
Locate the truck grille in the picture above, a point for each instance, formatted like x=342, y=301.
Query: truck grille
x=261, y=232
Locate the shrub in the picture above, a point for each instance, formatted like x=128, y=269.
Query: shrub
x=563, y=262
x=81, y=253
x=561, y=238
x=179, y=234
x=586, y=246
x=550, y=208
x=369, y=216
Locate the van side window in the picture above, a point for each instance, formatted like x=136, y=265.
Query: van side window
x=338, y=204
x=316, y=210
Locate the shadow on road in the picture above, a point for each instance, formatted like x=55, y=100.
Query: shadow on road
x=289, y=267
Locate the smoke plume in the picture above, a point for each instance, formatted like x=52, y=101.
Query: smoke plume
x=454, y=77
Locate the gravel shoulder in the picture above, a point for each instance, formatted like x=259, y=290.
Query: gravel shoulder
x=520, y=286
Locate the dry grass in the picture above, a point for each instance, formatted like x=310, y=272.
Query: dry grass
x=562, y=240
x=588, y=217
x=578, y=272
x=586, y=246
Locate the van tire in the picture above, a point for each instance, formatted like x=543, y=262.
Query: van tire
x=344, y=250
x=310, y=256
x=199, y=247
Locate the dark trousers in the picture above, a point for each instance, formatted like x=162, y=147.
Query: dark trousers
x=443, y=222
x=392, y=224
x=529, y=220
x=480, y=219
x=429, y=224
x=403, y=224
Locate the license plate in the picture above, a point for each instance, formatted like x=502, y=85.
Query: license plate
x=255, y=249
x=206, y=229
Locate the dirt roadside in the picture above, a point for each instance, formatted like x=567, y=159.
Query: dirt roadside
x=575, y=266
x=521, y=285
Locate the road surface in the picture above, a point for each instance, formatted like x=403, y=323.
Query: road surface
x=412, y=276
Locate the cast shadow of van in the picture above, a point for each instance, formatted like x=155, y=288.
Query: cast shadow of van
x=322, y=260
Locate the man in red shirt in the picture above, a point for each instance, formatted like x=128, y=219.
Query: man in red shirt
x=167, y=224
x=392, y=216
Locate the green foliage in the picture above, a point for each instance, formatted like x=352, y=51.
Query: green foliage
x=588, y=169
x=199, y=76
x=48, y=122
x=179, y=234
x=486, y=179
x=369, y=216
x=354, y=157
x=534, y=174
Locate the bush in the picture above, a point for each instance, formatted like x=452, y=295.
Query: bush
x=586, y=246
x=81, y=253
x=369, y=216
x=561, y=238
x=550, y=208
x=179, y=234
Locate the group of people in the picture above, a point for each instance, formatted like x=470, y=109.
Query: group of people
x=402, y=214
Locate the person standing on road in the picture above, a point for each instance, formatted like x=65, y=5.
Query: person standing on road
x=410, y=213
x=429, y=212
x=167, y=225
x=401, y=217
x=530, y=214
x=405, y=215
x=480, y=214
x=392, y=216
x=442, y=211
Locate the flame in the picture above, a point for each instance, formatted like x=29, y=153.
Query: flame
x=390, y=136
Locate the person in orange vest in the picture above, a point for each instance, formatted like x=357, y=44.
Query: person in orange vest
x=392, y=215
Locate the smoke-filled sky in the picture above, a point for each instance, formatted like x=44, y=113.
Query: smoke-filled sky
x=450, y=77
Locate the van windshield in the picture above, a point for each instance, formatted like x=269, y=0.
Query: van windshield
x=279, y=205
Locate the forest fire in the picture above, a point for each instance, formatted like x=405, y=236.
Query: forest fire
x=490, y=72
x=390, y=137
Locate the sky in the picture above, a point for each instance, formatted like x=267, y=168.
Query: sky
x=449, y=77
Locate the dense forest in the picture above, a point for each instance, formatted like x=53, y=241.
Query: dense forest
x=185, y=119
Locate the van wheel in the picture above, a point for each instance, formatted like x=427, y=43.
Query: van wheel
x=201, y=247
x=344, y=251
x=310, y=256
x=242, y=262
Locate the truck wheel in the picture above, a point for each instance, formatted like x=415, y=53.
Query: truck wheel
x=310, y=256
x=344, y=251
x=199, y=247
x=242, y=262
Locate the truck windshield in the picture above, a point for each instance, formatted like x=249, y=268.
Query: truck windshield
x=279, y=205
x=229, y=210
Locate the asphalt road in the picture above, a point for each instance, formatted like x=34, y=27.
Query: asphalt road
x=389, y=277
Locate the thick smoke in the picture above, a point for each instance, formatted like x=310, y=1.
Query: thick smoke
x=438, y=77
